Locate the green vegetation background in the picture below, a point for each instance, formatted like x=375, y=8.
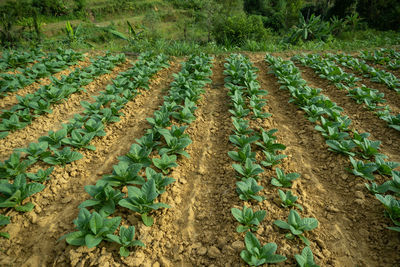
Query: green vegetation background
x=182, y=27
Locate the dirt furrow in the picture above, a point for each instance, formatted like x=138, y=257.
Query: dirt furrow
x=11, y=99
x=56, y=206
x=327, y=192
x=197, y=230
x=363, y=120
x=61, y=114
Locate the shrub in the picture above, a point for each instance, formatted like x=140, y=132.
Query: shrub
x=236, y=30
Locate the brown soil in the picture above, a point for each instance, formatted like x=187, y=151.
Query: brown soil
x=198, y=229
x=61, y=114
x=11, y=98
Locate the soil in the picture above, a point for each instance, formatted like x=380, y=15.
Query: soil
x=198, y=229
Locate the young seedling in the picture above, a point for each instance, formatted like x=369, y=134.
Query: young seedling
x=248, y=219
x=289, y=200
x=142, y=201
x=137, y=154
x=12, y=195
x=36, y=151
x=241, y=126
x=148, y=141
x=41, y=175
x=242, y=140
x=272, y=159
x=92, y=229
x=80, y=140
x=341, y=147
x=165, y=163
x=255, y=255
x=242, y=154
x=14, y=166
x=297, y=226
x=124, y=173
x=282, y=179
x=54, y=139
x=385, y=167
x=184, y=115
x=62, y=157
x=160, y=180
x=4, y=220
x=306, y=259
x=392, y=209
x=248, y=189
x=249, y=170
x=362, y=169
x=104, y=198
x=126, y=239
x=175, y=145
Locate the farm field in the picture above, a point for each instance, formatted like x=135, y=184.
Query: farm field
x=177, y=147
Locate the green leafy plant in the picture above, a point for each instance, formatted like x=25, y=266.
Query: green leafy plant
x=184, y=115
x=124, y=173
x=62, y=157
x=255, y=255
x=175, y=145
x=54, y=139
x=142, y=201
x=92, y=229
x=4, y=220
x=248, y=189
x=165, y=163
x=342, y=146
x=104, y=198
x=160, y=180
x=306, y=258
x=269, y=142
x=126, y=239
x=392, y=209
x=297, y=226
x=242, y=154
x=36, y=151
x=272, y=159
x=248, y=219
x=137, y=154
x=363, y=169
x=80, y=140
x=248, y=170
x=41, y=175
x=282, y=179
x=289, y=200
x=241, y=140
x=14, y=166
x=12, y=195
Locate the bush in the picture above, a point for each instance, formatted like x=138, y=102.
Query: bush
x=50, y=7
x=236, y=30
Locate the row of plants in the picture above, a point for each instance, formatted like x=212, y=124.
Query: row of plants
x=247, y=105
x=364, y=154
x=371, y=98
x=12, y=59
x=389, y=58
x=142, y=171
x=360, y=66
x=45, y=66
x=57, y=148
x=40, y=102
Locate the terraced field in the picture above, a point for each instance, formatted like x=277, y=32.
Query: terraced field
x=200, y=161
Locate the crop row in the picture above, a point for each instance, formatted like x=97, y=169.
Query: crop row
x=360, y=66
x=335, y=128
x=56, y=147
x=46, y=66
x=387, y=57
x=372, y=98
x=165, y=141
x=247, y=104
x=11, y=59
x=40, y=102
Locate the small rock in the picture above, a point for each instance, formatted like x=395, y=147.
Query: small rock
x=66, y=200
x=156, y=264
x=202, y=251
x=359, y=194
x=238, y=245
x=332, y=209
x=359, y=201
x=213, y=252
